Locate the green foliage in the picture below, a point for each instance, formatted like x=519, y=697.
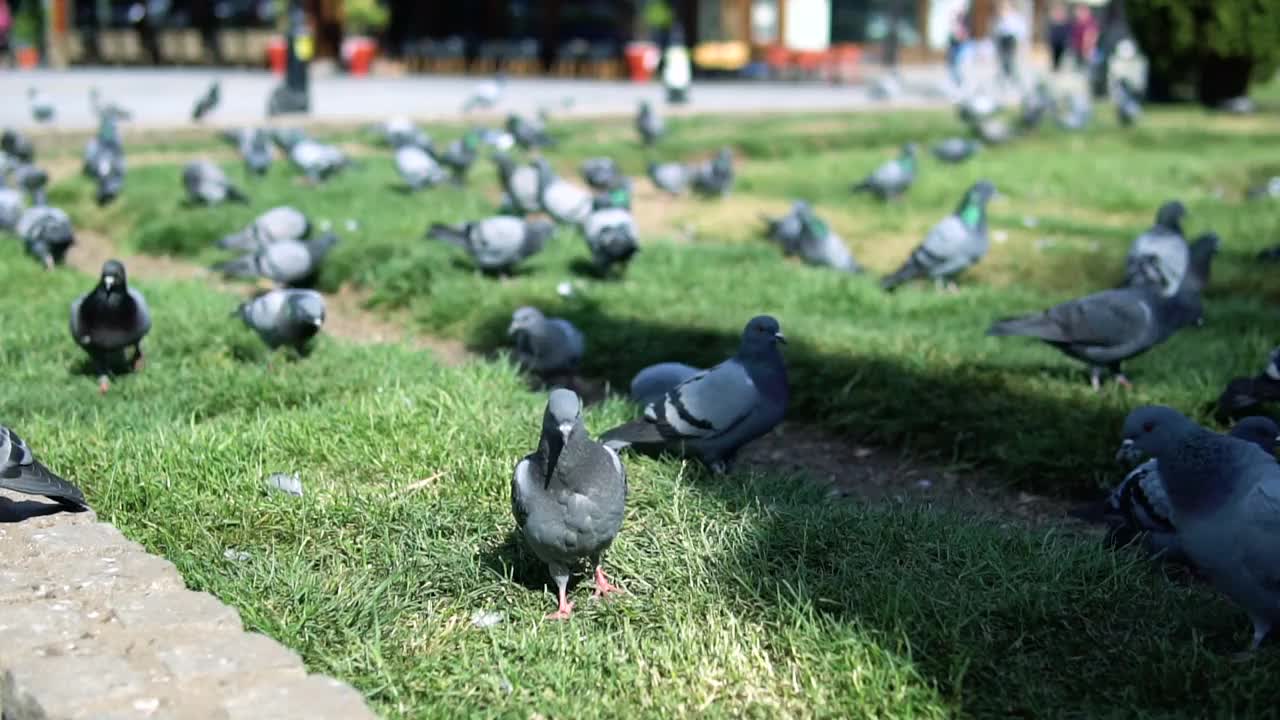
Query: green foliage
x=363, y=17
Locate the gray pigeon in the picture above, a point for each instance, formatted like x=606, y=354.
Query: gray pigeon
x=569, y=497
x=418, y=168
x=611, y=236
x=1266, y=190
x=1107, y=328
x=802, y=233
x=956, y=243
x=461, y=154
x=993, y=130
x=279, y=223
x=284, y=317
x=486, y=94
x=893, y=178
x=46, y=233
x=1224, y=494
x=977, y=106
x=207, y=102
x=652, y=384
x=1036, y=103
x=714, y=413
x=106, y=108
x=601, y=173
x=714, y=178
x=1159, y=256
x=399, y=131
x=256, y=152
x=42, y=110
x=521, y=183
x=104, y=161
x=207, y=185
x=528, y=134
x=17, y=145
x=498, y=243
x=670, y=177
x=110, y=319
x=22, y=472
x=955, y=150
x=564, y=201
x=11, y=206
x=649, y=124
x=286, y=263
x=317, y=161
x=548, y=346
x=1138, y=508
x=1128, y=107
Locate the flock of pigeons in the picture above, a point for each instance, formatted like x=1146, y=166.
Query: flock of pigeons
x=1208, y=500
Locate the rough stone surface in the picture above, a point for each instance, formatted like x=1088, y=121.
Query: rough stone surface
x=91, y=626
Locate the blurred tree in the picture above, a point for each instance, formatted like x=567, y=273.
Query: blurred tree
x=1213, y=48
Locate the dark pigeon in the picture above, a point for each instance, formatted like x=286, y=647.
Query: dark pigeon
x=20, y=471
x=109, y=320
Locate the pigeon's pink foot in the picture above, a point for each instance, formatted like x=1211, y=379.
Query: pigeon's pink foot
x=103, y=386
x=1124, y=382
x=139, y=362
x=563, y=613
x=603, y=587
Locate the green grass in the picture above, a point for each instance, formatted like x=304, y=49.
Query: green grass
x=753, y=595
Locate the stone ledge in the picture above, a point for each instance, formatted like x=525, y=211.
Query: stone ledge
x=94, y=627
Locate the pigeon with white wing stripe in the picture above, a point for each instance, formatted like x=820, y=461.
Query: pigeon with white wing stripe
x=22, y=472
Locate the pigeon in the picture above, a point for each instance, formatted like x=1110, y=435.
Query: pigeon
x=207, y=102
x=1159, y=256
x=109, y=171
x=548, y=346
x=460, y=155
x=107, y=139
x=992, y=130
x=521, y=183
x=110, y=319
x=284, y=317
x=714, y=178
x=1077, y=114
x=1139, y=507
x=288, y=263
x=106, y=109
x=564, y=201
x=955, y=150
x=17, y=145
x=12, y=206
x=275, y=225
x=1128, y=106
x=486, y=94
x=207, y=185
x=256, y=152
x=399, y=131
x=418, y=169
x=1224, y=494
x=527, y=133
x=32, y=179
x=611, y=236
x=893, y=178
x=670, y=177
x=46, y=233
x=498, y=243
x=649, y=124
x=651, y=384
x=717, y=411
x=42, y=110
x=1036, y=103
x=316, y=160
x=977, y=106
x=956, y=243
x=1243, y=395
x=802, y=233
x=569, y=497
x=619, y=197
x=20, y=471
x=1267, y=190
x=1107, y=328
x=885, y=87
x=602, y=173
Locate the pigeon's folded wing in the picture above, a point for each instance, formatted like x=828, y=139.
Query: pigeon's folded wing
x=706, y=405
x=1260, y=527
x=523, y=484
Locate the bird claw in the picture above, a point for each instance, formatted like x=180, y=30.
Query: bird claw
x=103, y=386
x=1124, y=382
x=562, y=613
x=604, y=588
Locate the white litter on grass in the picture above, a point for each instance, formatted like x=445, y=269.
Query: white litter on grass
x=236, y=555
x=290, y=484
x=485, y=619
x=1000, y=237
x=565, y=289
x=352, y=225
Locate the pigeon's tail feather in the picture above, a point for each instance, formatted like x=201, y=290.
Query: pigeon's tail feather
x=36, y=479
x=245, y=266
x=909, y=271
x=636, y=432
x=864, y=186
x=1037, y=326
x=452, y=234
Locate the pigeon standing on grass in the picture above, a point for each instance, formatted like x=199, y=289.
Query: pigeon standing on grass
x=496, y=244
x=955, y=150
x=20, y=471
x=601, y=173
x=528, y=134
x=486, y=94
x=109, y=320
x=284, y=317
x=520, y=182
x=548, y=346
x=1245, y=394
x=564, y=201
x=1224, y=494
x=207, y=185
x=649, y=124
x=460, y=155
x=418, y=169
x=1107, y=328
x=802, y=233
x=611, y=235
x=670, y=177
x=956, y=243
x=17, y=145
x=105, y=108
x=714, y=178
x=256, y=152
x=286, y=263
x=893, y=178
x=1128, y=107
x=279, y=223
x=46, y=232
x=42, y=109
x=11, y=206
x=207, y=102
x=569, y=497
x=1138, y=508
x=1159, y=256
x=714, y=413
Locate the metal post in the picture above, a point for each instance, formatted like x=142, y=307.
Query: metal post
x=294, y=95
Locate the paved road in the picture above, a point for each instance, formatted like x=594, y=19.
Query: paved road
x=163, y=97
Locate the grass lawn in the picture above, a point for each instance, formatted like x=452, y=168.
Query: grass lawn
x=753, y=595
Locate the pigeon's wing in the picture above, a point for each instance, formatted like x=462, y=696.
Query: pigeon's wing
x=525, y=483
x=498, y=241
x=949, y=244
x=287, y=261
x=1111, y=318
x=706, y=405
x=574, y=342
x=142, y=313
x=20, y=471
x=1259, y=528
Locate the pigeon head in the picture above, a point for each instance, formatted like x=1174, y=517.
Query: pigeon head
x=561, y=421
x=306, y=308
x=1259, y=430
x=800, y=207
x=909, y=150
x=32, y=178
x=1153, y=430
x=526, y=319
x=113, y=278
x=972, y=206
x=762, y=333
x=1273, y=364
x=1170, y=215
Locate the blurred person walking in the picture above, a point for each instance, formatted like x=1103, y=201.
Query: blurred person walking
x=1084, y=36
x=1010, y=28
x=1059, y=33
x=957, y=45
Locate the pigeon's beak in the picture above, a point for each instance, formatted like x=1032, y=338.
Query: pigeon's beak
x=511, y=330
x=566, y=429
x=1128, y=452
x=318, y=322
x=109, y=281
x=780, y=338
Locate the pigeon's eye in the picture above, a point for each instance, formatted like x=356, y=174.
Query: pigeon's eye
x=1148, y=426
